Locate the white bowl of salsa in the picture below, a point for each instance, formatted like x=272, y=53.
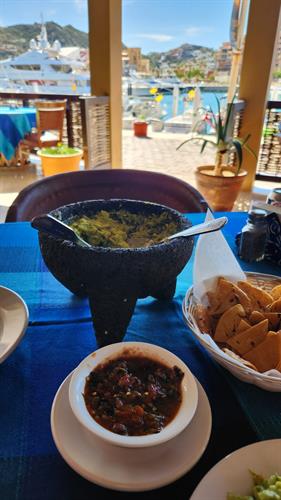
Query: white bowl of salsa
x=133, y=394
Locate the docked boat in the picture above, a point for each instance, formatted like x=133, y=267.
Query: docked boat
x=44, y=69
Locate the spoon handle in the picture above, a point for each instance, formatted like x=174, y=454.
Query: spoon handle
x=205, y=227
x=50, y=225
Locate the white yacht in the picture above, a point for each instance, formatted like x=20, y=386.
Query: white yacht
x=43, y=69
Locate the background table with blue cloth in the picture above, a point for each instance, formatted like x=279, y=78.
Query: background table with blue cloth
x=15, y=123
x=60, y=335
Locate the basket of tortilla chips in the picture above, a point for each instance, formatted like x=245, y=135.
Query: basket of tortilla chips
x=240, y=326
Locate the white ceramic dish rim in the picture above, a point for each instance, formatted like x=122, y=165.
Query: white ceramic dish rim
x=22, y=327
x=256, y=447
x=176, y=426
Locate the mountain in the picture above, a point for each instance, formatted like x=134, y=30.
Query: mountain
x=15, y=39
x=178, y=55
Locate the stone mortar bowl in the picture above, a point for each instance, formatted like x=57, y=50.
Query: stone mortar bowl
x=114, y=278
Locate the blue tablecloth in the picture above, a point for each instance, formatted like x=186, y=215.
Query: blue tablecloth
x=15, y=123
x=60, y=335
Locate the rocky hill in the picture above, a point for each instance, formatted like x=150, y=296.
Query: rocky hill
x=180, y=54
x=15, y=39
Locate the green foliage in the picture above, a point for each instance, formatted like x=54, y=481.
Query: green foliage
x=222, y=142
x=60, y=149
x=195, y=73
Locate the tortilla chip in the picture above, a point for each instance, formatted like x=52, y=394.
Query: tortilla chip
x=276, y=306
x=243, y=325
x=274, y=320
x=203, y=319
x=267, y=355
x=276, y=292
x=250, y=338
x=256, y=317
x=227, y=294
x=238, y=358
x=228, y=323
x=260, y=299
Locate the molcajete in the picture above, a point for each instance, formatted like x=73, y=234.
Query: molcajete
x=114, y=278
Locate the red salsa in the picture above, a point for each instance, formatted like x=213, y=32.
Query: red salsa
x=133, y=395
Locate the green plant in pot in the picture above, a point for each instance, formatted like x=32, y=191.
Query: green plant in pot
x=59, y=159
x=220, y=183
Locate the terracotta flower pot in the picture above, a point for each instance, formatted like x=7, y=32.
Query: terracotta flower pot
x=219, y=191
x=140, y=129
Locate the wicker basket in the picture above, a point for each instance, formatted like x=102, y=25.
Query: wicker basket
x=267, y=382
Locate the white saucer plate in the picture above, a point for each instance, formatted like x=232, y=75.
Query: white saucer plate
x=231, y=474
x=128, y=469
x=13, y=321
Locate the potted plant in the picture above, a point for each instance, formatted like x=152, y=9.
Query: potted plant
x=140, y=126
x=59, y=159
x=221, y=183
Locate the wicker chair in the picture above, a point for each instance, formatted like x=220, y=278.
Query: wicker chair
x=51, y=192
x=49, y=117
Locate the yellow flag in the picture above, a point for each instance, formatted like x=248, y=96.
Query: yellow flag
x=159, y=98
x=153, y=90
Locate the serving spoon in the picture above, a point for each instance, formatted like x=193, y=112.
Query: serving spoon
x=50, y=225
x=54, y=227
x=204, y=227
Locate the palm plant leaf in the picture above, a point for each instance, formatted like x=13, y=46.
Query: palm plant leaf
x=250, y=150
x=244, y=144
x=219, y=121
x=199, y=138
x=227, y=119
x=238, y=148
x=203, y=146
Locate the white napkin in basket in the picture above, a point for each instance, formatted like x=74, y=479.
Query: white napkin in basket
x=214, y=258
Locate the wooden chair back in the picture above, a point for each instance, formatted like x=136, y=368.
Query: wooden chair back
x=50, y=117
x=57, y=190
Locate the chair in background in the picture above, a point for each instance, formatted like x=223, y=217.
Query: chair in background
x=49, y=120
x=52, y=192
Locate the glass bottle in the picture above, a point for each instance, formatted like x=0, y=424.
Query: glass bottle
x=253, y=237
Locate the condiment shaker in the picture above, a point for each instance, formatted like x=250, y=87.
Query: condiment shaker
x=252, y=239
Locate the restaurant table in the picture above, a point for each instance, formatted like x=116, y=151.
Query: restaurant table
x=60, y=335
x=15, y=123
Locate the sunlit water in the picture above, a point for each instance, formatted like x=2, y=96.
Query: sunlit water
x=208, y=101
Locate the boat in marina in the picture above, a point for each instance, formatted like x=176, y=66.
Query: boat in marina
x=44, y=69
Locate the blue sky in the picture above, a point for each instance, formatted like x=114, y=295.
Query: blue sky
x=153, y=25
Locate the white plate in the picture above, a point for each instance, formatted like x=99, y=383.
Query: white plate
x=128, y=469
x=231, y=474
x=13, y=321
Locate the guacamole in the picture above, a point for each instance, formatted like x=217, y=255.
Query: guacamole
x=263, y=489
x=123, y=229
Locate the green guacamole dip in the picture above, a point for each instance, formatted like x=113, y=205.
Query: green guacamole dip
x=263, y=489
x=123, y=229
